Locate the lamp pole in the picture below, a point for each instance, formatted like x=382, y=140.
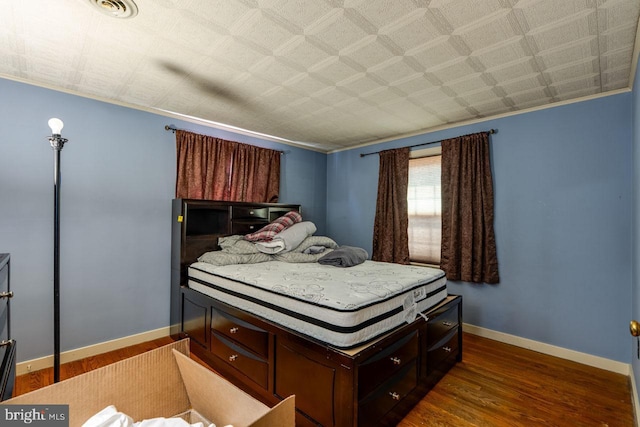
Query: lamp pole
x=57, y=143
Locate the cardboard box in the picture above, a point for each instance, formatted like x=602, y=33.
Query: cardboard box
x=163, y=382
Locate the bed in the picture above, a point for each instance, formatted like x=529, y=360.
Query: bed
x=357, y=346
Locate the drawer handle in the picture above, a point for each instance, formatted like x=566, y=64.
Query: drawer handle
x=446, y=323
x=233, y=357
x=251, y=213
x=251, y=227
x=6, y=295
x=396, y=360
x=394, y=395
x=234, y=330
x=447, y=349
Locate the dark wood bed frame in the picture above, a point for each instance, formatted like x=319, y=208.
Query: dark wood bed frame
x=375, y=384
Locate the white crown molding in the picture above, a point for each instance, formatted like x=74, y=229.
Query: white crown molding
x=485, y=119
x=170, y=114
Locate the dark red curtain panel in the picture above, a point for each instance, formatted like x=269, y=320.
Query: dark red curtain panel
x=390, y=236
x=468, y=240
x=211, y=168
x=255, y=175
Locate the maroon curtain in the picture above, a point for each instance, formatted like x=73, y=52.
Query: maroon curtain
x=390, y=236
x=255, y=175
x=468, y=241
x=211, y=168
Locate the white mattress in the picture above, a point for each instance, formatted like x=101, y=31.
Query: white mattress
x=343, y=307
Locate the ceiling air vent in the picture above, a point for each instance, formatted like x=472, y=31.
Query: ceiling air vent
x=116, y=8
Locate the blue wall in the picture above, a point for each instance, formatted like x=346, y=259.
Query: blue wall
x=118, y=178
x=563, y=199
x=564, y=196
x=636, y=224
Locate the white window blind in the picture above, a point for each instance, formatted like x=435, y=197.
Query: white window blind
x=425, y=210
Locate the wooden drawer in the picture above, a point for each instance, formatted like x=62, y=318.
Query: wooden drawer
x=442, y=324
x=247, y=212
x=376, y=405
x=383, y=365
x=239, y=331
x=246, y=227
x=240, y=359
x=448, y=346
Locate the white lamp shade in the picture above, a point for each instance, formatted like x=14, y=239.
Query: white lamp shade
x=56, y=126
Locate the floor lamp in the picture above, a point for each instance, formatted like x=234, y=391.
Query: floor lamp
x=57, y=142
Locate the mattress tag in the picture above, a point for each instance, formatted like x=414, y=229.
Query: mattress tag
x=409, y=308
x=420, y=293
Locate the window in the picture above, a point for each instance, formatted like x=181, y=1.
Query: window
x=425, y=207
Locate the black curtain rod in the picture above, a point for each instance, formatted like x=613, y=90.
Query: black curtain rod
x=173, y=129
x=490, y=132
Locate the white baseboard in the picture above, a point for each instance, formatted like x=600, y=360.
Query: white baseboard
x=92, y=350
x=551, y=350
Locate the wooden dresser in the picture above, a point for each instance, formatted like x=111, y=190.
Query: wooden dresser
x=375, y=384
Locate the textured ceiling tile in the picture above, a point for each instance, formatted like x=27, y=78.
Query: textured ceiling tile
x=521, y=84
x=370, y=54
x=333, y=69
x=579, y=50
x=513, y=70
x=618, y=58
x=305, y=83
x=302, y=13
x=541, y=13
x=414, y=31
x=328, y=73
x=413, y=84
x=381, y=95
x=453, y=71
x=336, y=30
x=381, y=13
x=492, y=107
x=615, y=78
x=301, y=52
x=554, y=37
x=587, y=84
x=359, y=84
x=470, y=83
x=460, y=14
x=529, y=96
x=394, y=71
x=227, y=51
x=437, y=54
x=509, y=51
x=332, y=96
x=498, y=30
x=481, y=96
x=588, y=67
x=273, y=70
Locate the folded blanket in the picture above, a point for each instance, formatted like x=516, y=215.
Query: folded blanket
x=315, y=249
x=269, y=231
x=344, y=256
x=225, y=258
x=288, y=239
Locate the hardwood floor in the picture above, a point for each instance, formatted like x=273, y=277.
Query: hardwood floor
x=496, y=385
